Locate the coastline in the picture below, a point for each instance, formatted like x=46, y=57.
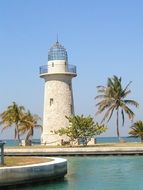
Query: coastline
x=99, y=140
x=106, y=149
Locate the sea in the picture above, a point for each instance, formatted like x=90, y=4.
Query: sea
x=98, y=140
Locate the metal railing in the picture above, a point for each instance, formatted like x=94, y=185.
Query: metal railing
x=68, y=68
x=43, y=69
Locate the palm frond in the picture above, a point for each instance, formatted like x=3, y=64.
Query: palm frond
x=128, y=111
x=108, y=114
x=131, y=102
x=124, y=94
x=123, y=118
x=125, y=89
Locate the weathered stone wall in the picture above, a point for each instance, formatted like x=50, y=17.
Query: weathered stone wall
x=58, y=103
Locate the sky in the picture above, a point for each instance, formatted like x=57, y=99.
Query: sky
x=102, y=37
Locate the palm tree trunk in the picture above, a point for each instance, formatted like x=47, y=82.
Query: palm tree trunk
x=29, y=136
x=17, y=133
x=117, y=123
x=141, y=139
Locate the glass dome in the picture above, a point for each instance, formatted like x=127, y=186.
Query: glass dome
x=57, y=52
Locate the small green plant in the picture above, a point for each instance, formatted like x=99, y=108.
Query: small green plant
x=81, y=127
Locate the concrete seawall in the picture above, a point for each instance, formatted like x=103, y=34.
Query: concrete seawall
x=33, y=173
x=75, y=151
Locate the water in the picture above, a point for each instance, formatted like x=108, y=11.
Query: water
x=12, y=142
x=98, y=173
x=115, y=139
x=98, y=140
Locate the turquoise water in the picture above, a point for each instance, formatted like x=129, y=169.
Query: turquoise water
x=99, y=173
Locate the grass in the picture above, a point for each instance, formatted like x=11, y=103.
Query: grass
x=123, y=144
x=21, y=160
x=126, y=144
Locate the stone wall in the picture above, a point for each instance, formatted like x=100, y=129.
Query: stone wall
x=33, y=173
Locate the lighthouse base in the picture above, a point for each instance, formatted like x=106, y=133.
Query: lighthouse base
x=53, y=140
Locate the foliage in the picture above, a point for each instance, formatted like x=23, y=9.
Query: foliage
x=81, y=127
x=12, y=116
x=137, y=130
x=24, y=122
x=113, y=98
x=27, y=125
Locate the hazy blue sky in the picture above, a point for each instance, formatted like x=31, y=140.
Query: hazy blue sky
x=103, y=38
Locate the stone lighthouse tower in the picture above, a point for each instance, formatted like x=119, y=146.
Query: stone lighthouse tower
x=58, y=95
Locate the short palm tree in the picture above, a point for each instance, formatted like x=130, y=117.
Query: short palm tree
x=113, y=98
x=27, y=125
x=137, y=130
x=12, y=117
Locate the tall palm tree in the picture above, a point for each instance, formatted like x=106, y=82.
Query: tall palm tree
x=12, y=116
x=137, y=130
x=113, y=98
x=27, y=125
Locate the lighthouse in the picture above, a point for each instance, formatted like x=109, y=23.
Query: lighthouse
x=58, y=94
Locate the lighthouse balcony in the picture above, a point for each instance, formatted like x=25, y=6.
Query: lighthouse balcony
x=57, y=69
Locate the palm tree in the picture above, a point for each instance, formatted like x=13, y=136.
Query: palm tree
x=113, y=98
x=27, y=125
x=12, y=116
x=137, y=130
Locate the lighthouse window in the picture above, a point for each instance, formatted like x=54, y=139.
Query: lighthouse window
x=52, y=64
x=51, y=101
